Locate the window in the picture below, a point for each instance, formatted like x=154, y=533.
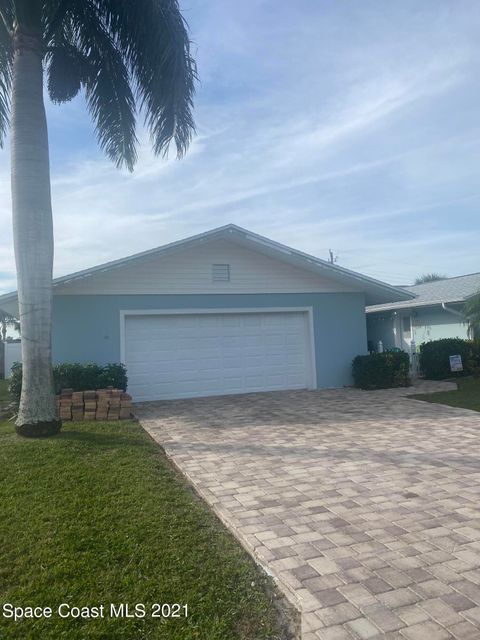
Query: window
x=220, y=273
x=407, y=329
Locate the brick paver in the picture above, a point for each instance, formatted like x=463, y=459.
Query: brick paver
x=363, y=505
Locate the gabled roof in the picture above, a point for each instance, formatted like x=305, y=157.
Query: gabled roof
x=448, y=290
x=375, y=290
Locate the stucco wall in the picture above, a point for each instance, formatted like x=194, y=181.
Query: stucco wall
x=87, y=328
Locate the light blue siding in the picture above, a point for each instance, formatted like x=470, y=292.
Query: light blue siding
x=86, y=328
x=429, y=323
x=435, y=323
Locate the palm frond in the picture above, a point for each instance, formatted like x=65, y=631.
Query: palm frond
x=6, y=61
x=124, y=52
x=472, y=314
x=54, y=19
x=153, y=37
x=5, y=84
x=106, y=80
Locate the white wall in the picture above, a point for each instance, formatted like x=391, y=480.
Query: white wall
x=13, y=353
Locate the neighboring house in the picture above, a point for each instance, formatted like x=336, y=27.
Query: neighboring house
x=227, y=311
x=436, y=312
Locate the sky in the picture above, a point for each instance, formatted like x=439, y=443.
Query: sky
x=322, y=124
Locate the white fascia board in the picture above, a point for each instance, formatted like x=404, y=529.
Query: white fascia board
x=371, y=287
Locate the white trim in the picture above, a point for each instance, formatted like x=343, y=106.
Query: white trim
x=303, y=260
x=308, y=311
x=455, y=312
x=397, y=330
x=311, y=335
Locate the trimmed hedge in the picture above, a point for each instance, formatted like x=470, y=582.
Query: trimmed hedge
x=79, y=377
x=434, y=358
x=381, y=370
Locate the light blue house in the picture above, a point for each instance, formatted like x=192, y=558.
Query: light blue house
x=227, y=311
x=435, y=312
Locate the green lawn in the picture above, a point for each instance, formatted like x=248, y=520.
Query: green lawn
x=97, y=515
x=467, y=395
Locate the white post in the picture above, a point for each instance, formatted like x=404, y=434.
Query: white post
x=380, y=346
x=413, y=359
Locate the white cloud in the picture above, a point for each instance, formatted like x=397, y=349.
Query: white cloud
x=334, y=126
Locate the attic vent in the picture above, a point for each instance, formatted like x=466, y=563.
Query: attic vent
x=220, y=273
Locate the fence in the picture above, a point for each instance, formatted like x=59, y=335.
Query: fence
x=12, y=352
x=412, y=354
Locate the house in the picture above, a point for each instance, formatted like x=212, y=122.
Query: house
x=223, y=312
x=435, y=312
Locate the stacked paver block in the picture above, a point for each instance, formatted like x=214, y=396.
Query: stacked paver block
x=65, y=404
x=102, y=404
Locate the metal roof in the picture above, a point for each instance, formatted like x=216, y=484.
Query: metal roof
x=448, y=290
x=375, y=290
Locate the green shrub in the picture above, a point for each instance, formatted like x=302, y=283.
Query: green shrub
x=113, y=375
x=15, y=381
x=382, y=370
x=473, y=361
x=434, y=357
x=79, y=377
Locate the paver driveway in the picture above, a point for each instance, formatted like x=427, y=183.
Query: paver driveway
x=364, y=506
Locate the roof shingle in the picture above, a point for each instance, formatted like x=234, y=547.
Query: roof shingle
x=447, y=290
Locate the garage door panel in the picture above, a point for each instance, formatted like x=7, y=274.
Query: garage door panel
x=251, y=320
x=187, y=343
x=181, y=356
x=232, y=357
x=274, y=340
x=253, y=341
x=275, y=382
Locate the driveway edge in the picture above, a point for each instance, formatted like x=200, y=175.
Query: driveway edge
x=288, y=605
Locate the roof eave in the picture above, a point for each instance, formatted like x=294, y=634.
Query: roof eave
x=371, y=287
x=376, y=291
x=400, y=307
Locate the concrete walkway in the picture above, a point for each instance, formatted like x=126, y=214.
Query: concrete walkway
x=364, y=506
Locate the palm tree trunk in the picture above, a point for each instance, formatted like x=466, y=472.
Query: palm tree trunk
x=33, y=236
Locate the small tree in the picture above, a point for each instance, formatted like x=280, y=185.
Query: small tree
x=472, y=314
x=429, y=277
x=7, y=321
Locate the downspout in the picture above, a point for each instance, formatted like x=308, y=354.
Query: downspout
x=454, y=311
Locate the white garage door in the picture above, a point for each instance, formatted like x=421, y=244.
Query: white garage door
x=186, y=356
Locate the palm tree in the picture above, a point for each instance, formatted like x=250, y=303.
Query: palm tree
x=429, y=277
x=471, y=312
x=122, y=54
x=7, y=322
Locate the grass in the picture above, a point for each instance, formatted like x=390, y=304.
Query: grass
x=97, y=515
x=467, y=395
